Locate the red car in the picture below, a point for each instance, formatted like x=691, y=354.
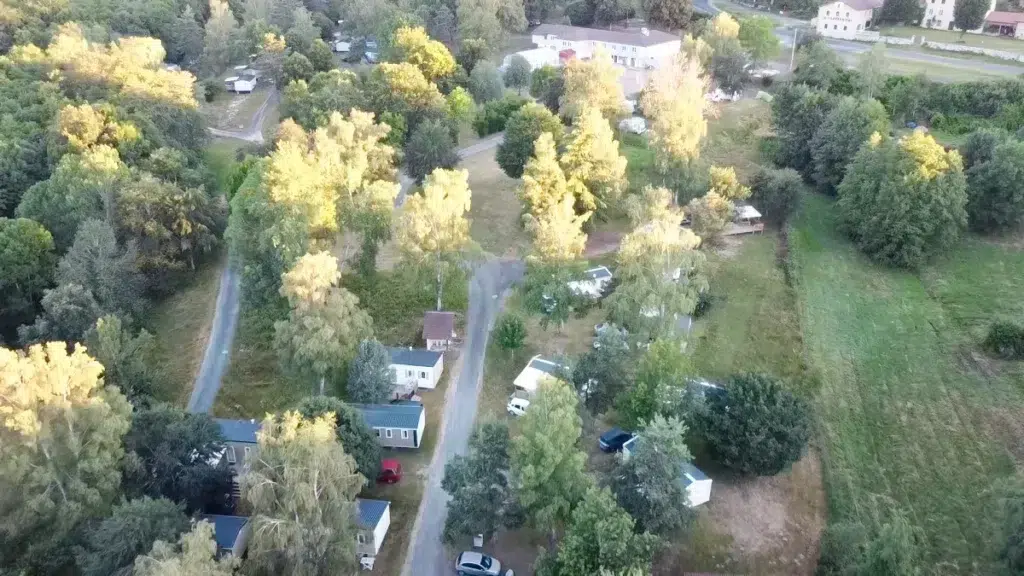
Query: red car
x=390, y=471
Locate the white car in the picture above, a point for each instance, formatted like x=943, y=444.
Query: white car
x=517, y=405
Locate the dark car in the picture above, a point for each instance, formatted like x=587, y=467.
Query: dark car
x=612, y=440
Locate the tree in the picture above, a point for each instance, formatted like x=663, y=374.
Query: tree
x=321, y=56
x=521, y=132
x=355, y=435
x=517, y=73
x=981, y=145
x=903, y=12
x=434, y=228
x=325, y=323
x=604, y=371
x=126, y=359
x=838, y=139
x=482, y=499
x=511, y=332
x=547, y=86
x=547, y=465
x=221, y=38
x=757, y=36
x=842, y=549
x=653, y=261
x=97, y=263
x=776, y=193
x=647, y=484
x=69, y=311
x=485, y=82
x=557, y=232
x=402, y=89
x=537, y=10
x=969, y=14
x=471, y=52
x=112, y=546
x=797, y=113
x=595, y=83
x=185, y=44
x=544, y=185
x=371, y=379
x=302, y=488
x=710, y=216
x=196, y=553
x=412, y=45
x=430, y=147
x=995, y=202
x=659, y=386
x=62, y=431
x=757, y=427
x=872, y=71
x=296, y=67
x=725, y=183
x=817, y=66
x=460, y=105
x=674, y=103
x=302, y=31
x=28, y=261
x=919, y=187
x=546, y=291
x=729, y=65
x=895, y=549
x=906, y=99
x=173, y=454
x=592, y=160
x=601, y=536
x=670, y=14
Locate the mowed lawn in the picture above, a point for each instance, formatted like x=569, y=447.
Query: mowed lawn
x=494, y=210
x=910, y=414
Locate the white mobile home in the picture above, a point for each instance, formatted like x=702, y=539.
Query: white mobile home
x=537, y=57
x=597, y=279
x=416, y=368
x=373, y=520
x=536, y=370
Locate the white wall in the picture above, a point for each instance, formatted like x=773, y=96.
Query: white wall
x=421, y=427
x=699, y=492
x=382, y=529
x=626, y=55
x=938, y=14
x=419, y=376
x=837, y=20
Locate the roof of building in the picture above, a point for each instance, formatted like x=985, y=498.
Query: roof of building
x=404, y=415
x=438, y=325
x=863, y=4
x=238, y=430
x=371, y=511
x=631, y=37
x=414, y=357
x=537, y=368
x=599, y=273
x=688, y=473
x=999, y=17
x=225, y=528
x=747, y=211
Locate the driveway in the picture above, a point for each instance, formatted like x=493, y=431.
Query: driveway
x=426, y=551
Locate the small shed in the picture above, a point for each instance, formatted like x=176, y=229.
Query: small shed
x=634, y=125
x=438, y=329
x=697, y=484
x=746, y=220
x=229, y=83
x=537, y=57
x=536, y=370
x=245, y=84
x=399, y=425
x=594, y=283
x=417, y=368
x=342, y=47
x=373, y=520
x=230, y=532
x=566, y=55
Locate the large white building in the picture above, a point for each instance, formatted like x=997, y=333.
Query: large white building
x=846, y=18
x=633, y=48
x=939, y=14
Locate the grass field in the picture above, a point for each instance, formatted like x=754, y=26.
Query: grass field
x=230, y=111
x=954, y=37
x=495, y=208
x=910, y=414
x=733, y=137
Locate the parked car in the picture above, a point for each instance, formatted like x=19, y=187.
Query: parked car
x=390, y=471
x=517, y=404
x=477, y=564
x=612, y=440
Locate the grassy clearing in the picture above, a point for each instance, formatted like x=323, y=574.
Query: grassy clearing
x=181, y=326
x=942, y=73
x=734, y=136
x=230, y=111
x=954, y=37
x=495, y=208
x=909, y=416
x=640, y=169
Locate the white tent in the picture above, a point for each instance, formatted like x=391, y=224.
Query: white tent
x=537, y=57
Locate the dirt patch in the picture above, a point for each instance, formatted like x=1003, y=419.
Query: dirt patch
x=1007, y=425
x=516, y=549
x=601, y=242
x=727, y=247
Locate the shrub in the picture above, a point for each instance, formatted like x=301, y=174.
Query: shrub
x=495, y=114
x=485, y=82
x=703, y=306
x=1006, y=340
x=757, y=427
x=212, y=88
x=842, y=549
x=776, y=193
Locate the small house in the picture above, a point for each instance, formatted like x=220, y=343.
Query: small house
x=746, y=220
x=415, y=368
x=697, y=484
x=536, y=370
x=846, y=19
x=342, y=47
x=239, y=442
x=231, y=533
x=372, y=521
x=246, y=83
x=594, y=282
x=398, y=425
x=438, y=330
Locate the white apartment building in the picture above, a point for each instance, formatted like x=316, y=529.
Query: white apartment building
x=939, y=14
x=632, y=48
x=846, y=18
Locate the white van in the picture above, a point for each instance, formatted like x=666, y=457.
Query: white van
x=517, y=404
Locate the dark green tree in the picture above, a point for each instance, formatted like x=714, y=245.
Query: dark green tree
x=817, y=66
x=320, y=56
x=995, y=200
x=359, y=440
x=776, y=193
x=511, y=332
x=659, y=387
x=547, y=86
x=485, y=82
x=757, y=427
x=729, y=65
x=111, y=546
x=471, y=51
x=482, y=500
x=297, y=67
x=546, y=292
x=980, y=145
x=521, y=131
x=797, y=113
x=126, y=359
x=969, y=14
x=96, y=262
x=838, y=139
x=668, y=14
x=430, y=147
x=69, y=311
x=517, y=73
x=28, y=262
x=901, y=12
x=371, y=380
x=604, y=371
x=173, y=454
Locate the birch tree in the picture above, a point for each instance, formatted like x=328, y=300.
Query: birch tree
x=592, y=160
x=557, y=232
x=595, y=83
x=194, y=555
x=677, y=111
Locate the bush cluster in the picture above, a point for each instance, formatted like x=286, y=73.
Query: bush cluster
x=1006, y=340
x=495, y=114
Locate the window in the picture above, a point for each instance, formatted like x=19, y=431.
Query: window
x=409, y=373
x=858, y=26
x=405, y=434
x=231, y=454
x=828, y=12
x=423, y=375
x=634, y=48
x=387, y=433
x=360, y=538
x=377, y=430
x=844, y=27
x=847, y=15
x=246, y=453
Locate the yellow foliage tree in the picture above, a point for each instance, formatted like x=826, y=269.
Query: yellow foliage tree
x=558, y=235
x=414, y=46
x=677, y=110
x=595, y=83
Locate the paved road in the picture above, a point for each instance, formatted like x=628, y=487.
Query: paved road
x=848, y=47
x=426, y=555
x=218, y=348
